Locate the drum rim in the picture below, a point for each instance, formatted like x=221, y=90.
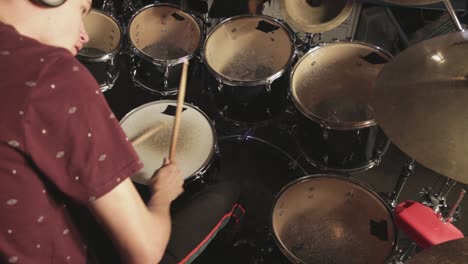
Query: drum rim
x=136, y=51
x=214, y=149
x=364, y=185
x=266, y=81
x=113, y=53
x=313, y=116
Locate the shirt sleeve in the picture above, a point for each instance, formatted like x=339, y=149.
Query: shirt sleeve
x=71, y=134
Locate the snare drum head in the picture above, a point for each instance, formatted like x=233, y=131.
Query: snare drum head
x=249, y=49
x=330, y=219
x=195, y=143
x=104, y=35
x=164, y=33
x=334, y=84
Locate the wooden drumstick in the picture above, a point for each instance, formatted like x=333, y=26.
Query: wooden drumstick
x=180, y=104
x=145, y=135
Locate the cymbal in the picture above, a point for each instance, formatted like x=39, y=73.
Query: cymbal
x=315, y=16
x=452, y=252
x=421, y=103
x=413, y=2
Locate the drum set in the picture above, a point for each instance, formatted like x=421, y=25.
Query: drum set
x=344, y=101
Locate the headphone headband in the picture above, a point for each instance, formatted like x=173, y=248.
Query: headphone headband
x=51, y=3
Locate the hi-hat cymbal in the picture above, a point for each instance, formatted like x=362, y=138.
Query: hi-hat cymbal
x=452, y=252
x=413, y=2
x=421, y=103
x=315, y=16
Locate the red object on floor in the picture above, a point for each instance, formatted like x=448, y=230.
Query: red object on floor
x=423, y=225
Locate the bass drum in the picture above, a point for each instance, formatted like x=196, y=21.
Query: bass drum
x=330, y=219
x=332, y=86
x=99, y=54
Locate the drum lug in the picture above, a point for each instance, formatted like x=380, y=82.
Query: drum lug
x=222, y=111
x=220, y=86
x=325, y=134
x=268, y=86
x=166, y=77
x=325, y=160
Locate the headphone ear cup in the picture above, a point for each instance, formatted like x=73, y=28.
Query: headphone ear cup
x=51, y=3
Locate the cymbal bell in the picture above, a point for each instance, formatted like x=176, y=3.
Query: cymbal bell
x=315, y=16
x=421, y=103
x=452, y=252
x=413, y=2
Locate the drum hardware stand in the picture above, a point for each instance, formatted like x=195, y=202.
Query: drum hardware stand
x=406, y=172
x=453, y=15
x=308, y=43
x=109, y=7
x=437, y=201
x=401, y=256
x=129, y=7
x=451, y=215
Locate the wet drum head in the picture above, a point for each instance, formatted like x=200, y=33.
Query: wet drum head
x=251, y=50
x=164, y=34
x=334, y=84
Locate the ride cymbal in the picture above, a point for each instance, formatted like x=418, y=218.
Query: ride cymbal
x=452, y=252
x=421, y=103
x=315, y=16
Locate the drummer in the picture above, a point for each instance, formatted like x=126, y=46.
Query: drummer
x=61, y=145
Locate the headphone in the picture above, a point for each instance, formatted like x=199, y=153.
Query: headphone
x=50, y=3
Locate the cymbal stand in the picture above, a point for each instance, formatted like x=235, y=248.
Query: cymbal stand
x=438, y=200
x=406, y=172
x=453, y=15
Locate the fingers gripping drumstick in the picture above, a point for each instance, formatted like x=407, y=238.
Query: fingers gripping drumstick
x=145, y=135
x=180, y=103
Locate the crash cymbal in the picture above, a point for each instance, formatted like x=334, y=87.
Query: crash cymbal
x=421, y=103
x=315, y=16
x=452, y=252
x=413, y=2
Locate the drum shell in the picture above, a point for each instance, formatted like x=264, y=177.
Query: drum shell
x=347, y=150
x=105, y=72
x=338, y=220
x=249, y=104
x=154, y=78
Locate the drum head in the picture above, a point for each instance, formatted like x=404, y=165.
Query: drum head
x=164, y=33
x=195, y=144
x=249, y=49
x=330, y=219
x=104, y=35
x=334, y=84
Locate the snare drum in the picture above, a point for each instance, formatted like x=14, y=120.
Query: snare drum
x=161, y=37
x=248, y=57
x=332, y=86
x=196, y=143
x=99, y=54
x=331, y=219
